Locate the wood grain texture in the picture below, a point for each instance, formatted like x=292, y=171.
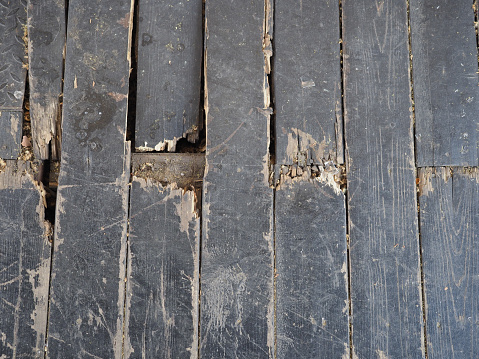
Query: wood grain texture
x=236, y=115
x=170, y=47
x=384, y=258
x=95, y=91
x=10, y=133
x=307, y=81
x=236, y=264
x=46, y=44
x=184, y=170
x=88, y=276
x=311, y=271
x=446, y=97
x=163, y=289
x=24, y=263
x=237, y=243
x=449, y=203
x=13, y=20
x=13, y=71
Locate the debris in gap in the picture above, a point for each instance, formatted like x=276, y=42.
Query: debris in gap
x=27, y=149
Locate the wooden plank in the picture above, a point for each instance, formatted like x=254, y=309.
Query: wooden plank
x=312, y=305
x=185, y=170
x=307, y=81
x=384, y=259
x=12, y=76
x=449, y=203
x=24, y=262
x=237, y=244
x=163, y=289
x=46, y=43
x=446, y=97
x=170, y=40
x=237, y=111
x=88, y=280
x=236, y=264
x=10, y=133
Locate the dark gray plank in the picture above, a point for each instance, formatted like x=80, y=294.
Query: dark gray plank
x=13, y=67
x=88, y=282
x=446, y=97
x=449, y=202
x=95, y=91
x=10, y=133
x=46, y=43
x=24, y=263
x=170, y=46
x=384, y=260
x=236, y=105
x=311, y=265
x=307, y=81
x=237, y=243
x=236, y=264
x=163, y=289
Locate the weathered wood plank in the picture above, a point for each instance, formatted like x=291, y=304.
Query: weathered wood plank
x=24, y=263
x=307, y=81
x=10, y=133
x=88, y=281
x=236, y=115
x=13, y=71
x=46, y=43
x=95, y=92
x=449, y=203
x=163, y=289
x=170, y=47
x=446, y=97
x=311, y=270
x=186, y=170
x=383, y=232
x=237, y=244
x=237, y=264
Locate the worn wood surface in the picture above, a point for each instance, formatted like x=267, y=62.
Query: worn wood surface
x=307, y=81
x=311, y=270
x=46, y=43
x=170, y=47
x=385, y=287
x=88, y=278
x=237, y=264
x=185, y=170
x=236, y=115
x=237, y=243
x=10, y=133
x=163, y=287
x=449, y=203
x=446, y=97
x=275, y=265
x=24, y=263
x=13, y=67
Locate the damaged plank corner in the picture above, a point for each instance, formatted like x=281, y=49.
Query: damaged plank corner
x=307, y=82
x=170, y=53
x=24, y=278
x=327, y=173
